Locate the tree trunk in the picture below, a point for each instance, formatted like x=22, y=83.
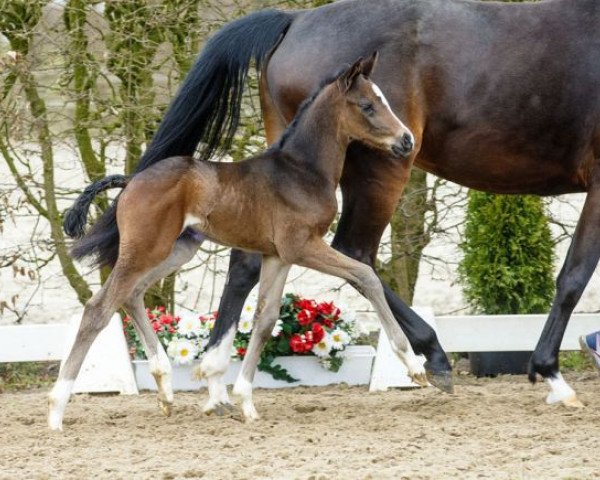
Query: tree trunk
x=408, y=238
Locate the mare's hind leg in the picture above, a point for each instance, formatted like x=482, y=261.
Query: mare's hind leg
x=272, y=281
x=316, y=254
x=159, y=363
x=579, y=266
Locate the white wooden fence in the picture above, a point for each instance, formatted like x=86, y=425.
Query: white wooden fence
x=472, y=333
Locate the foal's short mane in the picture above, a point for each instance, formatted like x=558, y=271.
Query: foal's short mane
x=304, y=106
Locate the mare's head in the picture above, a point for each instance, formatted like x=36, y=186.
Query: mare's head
x=366, y=115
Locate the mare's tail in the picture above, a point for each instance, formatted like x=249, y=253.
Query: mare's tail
x=206, y=109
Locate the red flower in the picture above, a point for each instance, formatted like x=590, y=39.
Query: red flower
x=300, y=343
x=161, y=309
x=151, y=316
x=305, y=317
x=328, y=309
x=303, y=304
x=296, y=343
x=171, y=329
x=317, y=332
x=126, y=320
x=166, y=319
x=157, y=327
x=328, y=322
x=241, y=351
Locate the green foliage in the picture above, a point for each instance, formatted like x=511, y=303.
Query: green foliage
x=25, y=375
x=575, y=361
x=508, y=255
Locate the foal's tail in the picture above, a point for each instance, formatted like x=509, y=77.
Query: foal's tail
x=206, y=109
x=76, y=217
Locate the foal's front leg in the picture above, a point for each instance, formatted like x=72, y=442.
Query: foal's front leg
x=244, y=270
x=272, y=281
x=317, y=255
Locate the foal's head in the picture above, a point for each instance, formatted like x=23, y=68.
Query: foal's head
x=366, y=114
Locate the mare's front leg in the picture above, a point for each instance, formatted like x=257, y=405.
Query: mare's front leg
x=244, y=269
x=579, y=266
x=272, y=281
x=316, y=254
x=372, y=185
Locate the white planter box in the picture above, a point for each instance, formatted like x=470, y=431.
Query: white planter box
x=356, y=370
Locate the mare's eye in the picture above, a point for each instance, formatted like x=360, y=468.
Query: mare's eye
x=367, y=108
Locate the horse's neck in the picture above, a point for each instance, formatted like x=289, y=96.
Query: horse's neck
x=317, y=140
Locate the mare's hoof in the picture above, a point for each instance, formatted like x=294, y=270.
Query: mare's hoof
x=442, y=380
x=572, y=402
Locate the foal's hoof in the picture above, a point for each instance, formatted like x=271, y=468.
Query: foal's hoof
x=420, y=379
x=165, y=407
x=442, y=380
x=219, y=409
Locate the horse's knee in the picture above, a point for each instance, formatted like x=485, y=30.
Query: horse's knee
x=363, y=255
x=368, y=282
x=569, y=288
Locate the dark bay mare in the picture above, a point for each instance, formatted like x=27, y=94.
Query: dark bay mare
x=501, y=97
x=279, y=203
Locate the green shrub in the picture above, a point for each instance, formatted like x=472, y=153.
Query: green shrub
x=508, y=255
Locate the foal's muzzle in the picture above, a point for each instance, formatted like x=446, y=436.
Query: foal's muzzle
x=403, y=146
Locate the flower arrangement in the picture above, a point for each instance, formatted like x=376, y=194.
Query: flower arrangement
x=304, y=327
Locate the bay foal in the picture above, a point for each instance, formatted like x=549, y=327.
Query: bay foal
x=279, y=203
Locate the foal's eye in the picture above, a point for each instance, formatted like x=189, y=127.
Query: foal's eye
x=367, y=108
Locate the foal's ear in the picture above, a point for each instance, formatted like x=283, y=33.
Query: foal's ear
x=346, y=79
x=367, y=65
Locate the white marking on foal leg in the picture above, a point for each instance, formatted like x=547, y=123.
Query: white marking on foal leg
x=415, y=369
x=560, y=391
x=218, y=398
x=57, y=402
x=160, y=367
x=213, y=367
x=243, y=389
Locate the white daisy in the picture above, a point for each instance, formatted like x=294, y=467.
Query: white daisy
x=339, y=339
x=249, y=310
x=245, y=325
x=247, y=316
x=182, y=351
x=278, y=328
x=323, y=348
x=189, y=324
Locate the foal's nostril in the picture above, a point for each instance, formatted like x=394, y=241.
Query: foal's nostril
x=407, y=142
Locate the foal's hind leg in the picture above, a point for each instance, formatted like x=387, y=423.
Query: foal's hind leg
x=319, y=256
x=159, y=363
x=97, y=313
x=272, y=281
